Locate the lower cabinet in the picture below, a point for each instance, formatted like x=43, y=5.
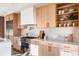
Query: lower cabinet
x=56, y=51
x=69, y=50
x=66, y=52
x=43, y=49
x=46, y=50
x=16, y=43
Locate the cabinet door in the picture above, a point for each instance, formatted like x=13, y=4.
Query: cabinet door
x=6, y=18
x=44, y=16
x=52, y=51
x=38, y=17
x=48, y=50
x=2, y=27
x=55, y=51
x=16, y=43
x=52, y=15
x=43, y=50
x=10, y=17
x=15, y=24
x=66, y=52
x=19, y=20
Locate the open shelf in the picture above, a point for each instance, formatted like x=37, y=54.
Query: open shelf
x=66, y=5
x=67, y=15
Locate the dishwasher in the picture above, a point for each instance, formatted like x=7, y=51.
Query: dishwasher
x=34, y=49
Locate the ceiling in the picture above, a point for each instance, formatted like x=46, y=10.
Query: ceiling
x=6, y=8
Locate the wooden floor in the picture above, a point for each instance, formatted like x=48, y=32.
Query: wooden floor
x=16, y=52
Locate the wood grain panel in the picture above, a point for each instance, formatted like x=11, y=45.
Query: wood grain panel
x=1, y=27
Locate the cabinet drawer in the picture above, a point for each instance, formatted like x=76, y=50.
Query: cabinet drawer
x=34, y=41
x=70, y=48
x=69, y=51
x=56, y=44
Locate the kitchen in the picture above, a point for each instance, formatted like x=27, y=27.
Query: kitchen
x=58, y=38
x=44, y=30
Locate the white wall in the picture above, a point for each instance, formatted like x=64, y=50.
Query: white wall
x=28, y=15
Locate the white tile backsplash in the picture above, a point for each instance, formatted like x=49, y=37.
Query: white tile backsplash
x=34, y=32
x=58, y=32
x=54, y=33
x=76, y=33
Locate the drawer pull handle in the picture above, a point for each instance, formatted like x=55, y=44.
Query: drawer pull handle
x=66, y=46
x=49, y=48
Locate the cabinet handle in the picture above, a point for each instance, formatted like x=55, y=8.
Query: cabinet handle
x=49, y=44
x=66, y=47
x=49, y=48
x=66, y=51
x=16, y=41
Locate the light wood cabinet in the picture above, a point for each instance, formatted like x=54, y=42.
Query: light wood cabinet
x=46, y=16
x=45, y=48
x=52, y=15
x=48, y=50
x=19, y=20
x=69, y=50
x=15, y=18
x=2, y=24
x=56, y=51
x=9, y=17
x=15, y=24
x=16, y=43
x=38, y=17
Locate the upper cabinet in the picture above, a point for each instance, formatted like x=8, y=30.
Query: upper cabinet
x=28, y=16
x=15, y=19
x=9, y=17
x=38, y=17
x=52, y=15
x=46, y=16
